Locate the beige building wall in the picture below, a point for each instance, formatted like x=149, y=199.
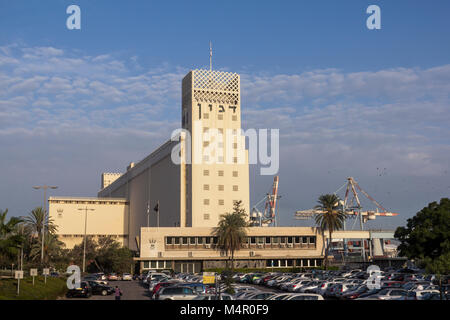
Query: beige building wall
x=108, y=218
x=153, y=179
x=153, y=244
x=214, y=180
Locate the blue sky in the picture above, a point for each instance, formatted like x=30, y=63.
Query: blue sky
x=372, y=104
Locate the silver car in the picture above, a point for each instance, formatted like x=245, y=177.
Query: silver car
x=176, y=293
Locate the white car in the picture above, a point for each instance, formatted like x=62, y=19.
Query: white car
x=390, y=294
x=127, y=277
x=176, y=293
x=304, y=296
x=222, y=296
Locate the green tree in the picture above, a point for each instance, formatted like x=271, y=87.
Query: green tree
x=329, y=219
x=426, y=238
x=38, y=219
x=231, y=231
x=10, y=239
x=53, y=250
x=427, y=234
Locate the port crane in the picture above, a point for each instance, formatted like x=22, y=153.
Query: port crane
x=351, y=205
x=269, y=216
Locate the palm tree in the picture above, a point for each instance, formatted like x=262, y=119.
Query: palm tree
x=329, y=219
x=53, y=249
x=231, y=231
x=38, y=219
x=10, y=239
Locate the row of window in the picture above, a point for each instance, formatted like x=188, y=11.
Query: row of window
x=220, y=173
x=84, y=202
x=95, y=235
x=248, y=240
x=220, y=187
x=220, y=159
x=219, y=117
x=283, y=263
x=270, y=263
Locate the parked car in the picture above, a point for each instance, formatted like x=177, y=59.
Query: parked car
x=127, y=277
x=113, y=277
x=222, y=296
x=305, y=296
x=176, y=293
x=84, y=290
x=390, y=294
x=100, y=289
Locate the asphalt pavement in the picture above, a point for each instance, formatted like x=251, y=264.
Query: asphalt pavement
x=131, y=290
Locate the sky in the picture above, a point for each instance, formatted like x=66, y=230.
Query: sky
x=348, y=101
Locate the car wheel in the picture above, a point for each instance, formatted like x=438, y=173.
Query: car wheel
x=104, y=293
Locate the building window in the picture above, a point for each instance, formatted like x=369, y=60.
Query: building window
x=206, y=187
x=289, y=240
x=200, y=240
x=267, y=240
x=282, y=239
x=206, y=202
x=220, y=173
x=205, y=129
x=312, y=240
x=260, y=240
x=235, y=188
x=169, y=240
x=208, y=240
x=235, y=159
x=214, y=240
x=206, y=216
x=192, y=240
x=235, y=145
x=221, y=187
x=205, y=143
x=184, y=240
x=221, y=202
x=304, y=240
x=297, y=239
x=234, y=118
x=220, y=117
x=206, y=172
x=206, y=115
x=146, y=264
x=176, y=240
x=235, y=173
x=252, y=240
x=153, y=264
x=275, y=240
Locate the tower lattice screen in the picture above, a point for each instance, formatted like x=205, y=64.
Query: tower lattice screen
x=216, y=86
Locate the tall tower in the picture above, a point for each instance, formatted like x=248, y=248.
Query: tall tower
x=218, y=174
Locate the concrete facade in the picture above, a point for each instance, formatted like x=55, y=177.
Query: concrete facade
x=194, y=249
x=109, y=218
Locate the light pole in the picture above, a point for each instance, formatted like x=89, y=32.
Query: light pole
x=45, y=187
x=85, y=228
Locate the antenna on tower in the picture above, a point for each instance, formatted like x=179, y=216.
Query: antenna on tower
x=210, y=56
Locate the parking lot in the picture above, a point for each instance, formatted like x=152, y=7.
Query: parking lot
x=132, y=290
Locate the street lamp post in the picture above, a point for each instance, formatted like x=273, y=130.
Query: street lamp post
x=85, y=228
x=44, y=187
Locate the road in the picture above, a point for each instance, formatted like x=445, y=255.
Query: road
x=131, y=290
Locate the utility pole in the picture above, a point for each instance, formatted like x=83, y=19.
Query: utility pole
x=85, y=228
x=44, y=187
